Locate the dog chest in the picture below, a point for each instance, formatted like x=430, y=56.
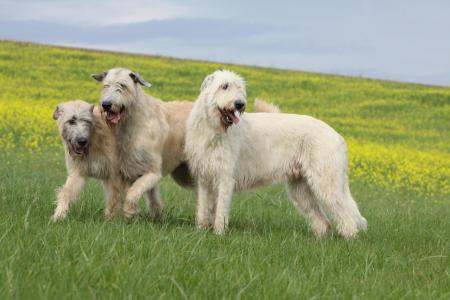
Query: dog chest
x=98, y=167
x=135, y=164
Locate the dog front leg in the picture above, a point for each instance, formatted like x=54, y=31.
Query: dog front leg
x=144, y=183
x=112, y=190
x=212, y=210
x=224, y=196
x=67, y=194
x=203, y=199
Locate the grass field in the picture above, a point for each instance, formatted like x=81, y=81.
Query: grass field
x=399, y=150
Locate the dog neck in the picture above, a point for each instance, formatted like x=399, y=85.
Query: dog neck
x=206, y=117
x=144, y=108
x=134, y=113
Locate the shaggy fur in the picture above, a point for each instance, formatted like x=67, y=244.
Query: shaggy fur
x=240, y=151
x=90, y=151
x=150, y=135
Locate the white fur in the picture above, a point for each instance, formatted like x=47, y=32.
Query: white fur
x=265, y=148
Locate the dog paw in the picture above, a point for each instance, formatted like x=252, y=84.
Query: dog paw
x=202, y=224
x=58, y=216
x=219, y=230
x=156, y=213
x=110, y=214
x=129, y=210
x=112, y=210
x=348, y=231
x=362, y=224
x=321, y=229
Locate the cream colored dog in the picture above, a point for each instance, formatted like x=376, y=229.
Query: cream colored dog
x=90, y=151
x=229, y=150
x=150, y=136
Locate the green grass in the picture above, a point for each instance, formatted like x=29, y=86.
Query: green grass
x=269, y=251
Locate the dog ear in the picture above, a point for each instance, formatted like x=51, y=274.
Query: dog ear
x=99, y=77
x=206, y=82
x=57, y=112
x=139, y=79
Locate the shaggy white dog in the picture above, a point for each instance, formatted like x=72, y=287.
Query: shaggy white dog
x=229, y=150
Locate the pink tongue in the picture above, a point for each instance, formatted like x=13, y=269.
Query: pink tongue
x=115, y=119
x=234, y=118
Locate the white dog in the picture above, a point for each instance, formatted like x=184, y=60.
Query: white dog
x=230, y=150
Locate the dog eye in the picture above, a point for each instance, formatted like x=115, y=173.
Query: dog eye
x=88, y=122
x=225, y=86
x=122, y=86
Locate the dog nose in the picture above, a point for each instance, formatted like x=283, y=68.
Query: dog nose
x=82, y=142
x=239, y=104
x=107, y=105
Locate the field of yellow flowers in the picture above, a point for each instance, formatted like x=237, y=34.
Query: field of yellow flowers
x=398, y=134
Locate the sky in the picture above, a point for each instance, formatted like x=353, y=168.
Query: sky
x=395, y=40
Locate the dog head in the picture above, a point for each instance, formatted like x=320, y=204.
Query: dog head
x=120, y=89
x=75, y=119
x=225, y=95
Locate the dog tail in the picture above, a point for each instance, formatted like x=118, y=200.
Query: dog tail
x=263, y=106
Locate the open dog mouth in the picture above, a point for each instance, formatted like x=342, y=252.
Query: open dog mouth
x=113, y=117
x=112, y=114
x=76, y=150
x=230, y=116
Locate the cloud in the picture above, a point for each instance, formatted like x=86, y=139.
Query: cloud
x=195, y=31
x=390, y=39
x=88, y=12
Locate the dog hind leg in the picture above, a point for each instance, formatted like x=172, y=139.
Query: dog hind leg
x=112, y=198
x=305, y=202
x=328, y=187
x=154, y=203
x=351, y=203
